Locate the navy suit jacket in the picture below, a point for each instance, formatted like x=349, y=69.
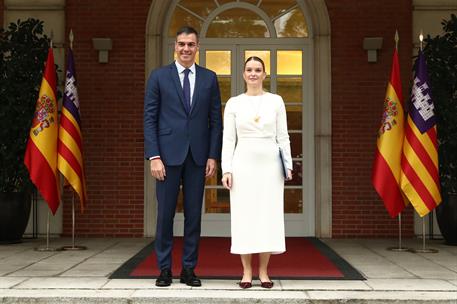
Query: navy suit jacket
x=169, y=131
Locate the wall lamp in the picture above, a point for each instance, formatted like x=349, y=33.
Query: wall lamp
x=102, y=45
x=372, y=45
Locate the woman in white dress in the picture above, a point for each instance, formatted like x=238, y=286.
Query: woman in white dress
x=255, y=127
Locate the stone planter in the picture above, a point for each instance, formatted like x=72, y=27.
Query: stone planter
x=14, y=216
x=446, y=214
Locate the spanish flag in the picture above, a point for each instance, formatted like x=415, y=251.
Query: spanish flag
x=41, y=151
x=420, y=179
x=70, y=149
x=386, y=170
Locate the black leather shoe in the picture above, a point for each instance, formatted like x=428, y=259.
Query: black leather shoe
x=164, y=278
x=189, y=278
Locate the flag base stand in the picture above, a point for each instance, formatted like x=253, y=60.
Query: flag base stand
x=47, y=248
x=399, y=248
x=423, y=249
x=73, y=246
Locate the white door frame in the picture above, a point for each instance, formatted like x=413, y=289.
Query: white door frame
x=318, y=19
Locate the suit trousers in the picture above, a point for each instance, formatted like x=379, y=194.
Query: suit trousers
x=192, y=178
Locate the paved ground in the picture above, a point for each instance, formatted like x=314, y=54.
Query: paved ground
x=29, y=276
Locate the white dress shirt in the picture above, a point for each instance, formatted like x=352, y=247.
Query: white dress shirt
x=191, y=77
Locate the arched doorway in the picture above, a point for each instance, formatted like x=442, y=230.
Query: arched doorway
x=230, y=31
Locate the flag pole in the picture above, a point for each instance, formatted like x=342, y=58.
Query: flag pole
x=73, y=216
x=48, y=225
x=48, y=229
x=399, y=248
x=73, y=246
x=423, y=249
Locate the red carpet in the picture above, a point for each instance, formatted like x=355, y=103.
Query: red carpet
x=305, y=258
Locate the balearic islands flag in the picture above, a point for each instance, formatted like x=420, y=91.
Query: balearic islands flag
x=420, y=179
x=70, y=149
x=41, y=151
x=387, y=162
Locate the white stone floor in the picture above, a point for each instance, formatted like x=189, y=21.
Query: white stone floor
x=29, y=276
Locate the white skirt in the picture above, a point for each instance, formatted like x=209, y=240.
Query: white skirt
x=257, y=197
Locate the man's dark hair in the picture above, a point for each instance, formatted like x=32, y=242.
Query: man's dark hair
x=187, y=30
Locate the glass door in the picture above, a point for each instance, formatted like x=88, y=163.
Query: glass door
x=284, y=67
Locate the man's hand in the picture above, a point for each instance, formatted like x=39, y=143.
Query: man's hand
x=158, y=169
x=211, y=167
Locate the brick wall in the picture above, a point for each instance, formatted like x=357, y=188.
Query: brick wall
x=111, y=97
x=358, y=90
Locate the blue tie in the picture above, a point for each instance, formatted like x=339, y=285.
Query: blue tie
x=186, y=90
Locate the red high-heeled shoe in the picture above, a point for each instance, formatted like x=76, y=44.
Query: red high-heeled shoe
x=266, y=284
x=245, y=285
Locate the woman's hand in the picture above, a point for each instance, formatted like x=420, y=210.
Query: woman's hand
x=227, y=181
x=289, y=175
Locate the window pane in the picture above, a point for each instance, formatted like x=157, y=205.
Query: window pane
x=294, y=114
x=289, y=62
x=238, y=23
x=264, y=55
x=225, y=87
x=217, y=201
x=219, y=62
x=292, y=24
x=200, y=7
x=296, y=146
x=274, y=7
x=293, y=202
x=290, y=89
x=180, y=18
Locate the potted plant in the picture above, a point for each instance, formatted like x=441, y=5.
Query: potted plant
x=441, y=55
x=23, y=51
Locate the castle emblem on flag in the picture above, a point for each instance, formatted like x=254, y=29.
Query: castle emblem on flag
x=422, y=101
x=388, y=117
x=421, y=109
x=44, y=115
x=70, y=89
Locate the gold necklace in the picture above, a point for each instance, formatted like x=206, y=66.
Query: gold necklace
x=257, y=116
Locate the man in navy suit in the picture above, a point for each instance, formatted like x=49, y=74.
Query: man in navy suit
x=183, y=139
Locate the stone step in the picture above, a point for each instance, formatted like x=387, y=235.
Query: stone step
x=195, y=296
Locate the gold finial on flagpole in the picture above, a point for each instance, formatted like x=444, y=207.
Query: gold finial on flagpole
x=396, y=39
x=421, y=39
x=72, y=37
